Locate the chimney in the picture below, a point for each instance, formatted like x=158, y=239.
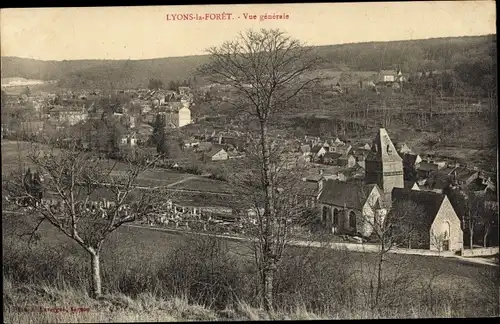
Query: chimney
x=220, y=138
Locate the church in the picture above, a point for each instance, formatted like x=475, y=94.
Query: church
x=352, y=207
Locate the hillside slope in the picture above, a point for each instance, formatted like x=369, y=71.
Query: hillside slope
x=413, y=55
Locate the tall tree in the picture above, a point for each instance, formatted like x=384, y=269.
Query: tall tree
x=266, y=69
x=83, y=196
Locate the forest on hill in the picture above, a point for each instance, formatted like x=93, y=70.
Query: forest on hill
x=475, y=54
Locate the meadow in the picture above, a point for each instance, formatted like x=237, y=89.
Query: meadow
x=14, y=155
x=147, y=272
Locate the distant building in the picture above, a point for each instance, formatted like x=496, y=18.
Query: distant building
x=331, y=158
x=32, y=127
x=346, y=161
x=305, y=149
x=318, y=151
x=216, y=154
x=128, y=140
x=176, y=115
x=402, y=148
x=71, y=116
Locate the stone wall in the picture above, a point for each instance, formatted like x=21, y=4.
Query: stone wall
x=489, y=251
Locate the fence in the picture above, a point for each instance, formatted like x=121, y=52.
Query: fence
x=489, y=251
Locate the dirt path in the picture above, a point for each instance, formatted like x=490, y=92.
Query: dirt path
x=183, y=180
x=364, y=248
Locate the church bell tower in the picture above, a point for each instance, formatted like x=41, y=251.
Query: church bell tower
x=383, y=165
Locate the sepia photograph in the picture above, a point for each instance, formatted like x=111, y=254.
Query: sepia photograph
x=246, y=162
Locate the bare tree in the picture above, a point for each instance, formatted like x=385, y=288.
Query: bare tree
x=437, y=239
x=266, y=69
x=474, y=210
x=488, y=218
x=83, y=195
x=395, y=227
x=288, y=210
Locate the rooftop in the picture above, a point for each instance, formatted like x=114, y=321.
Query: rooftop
x=346, y=194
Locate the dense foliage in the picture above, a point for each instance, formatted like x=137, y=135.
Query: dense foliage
x=474, y=58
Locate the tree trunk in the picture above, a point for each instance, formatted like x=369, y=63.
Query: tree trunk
x=485, y=237
x=268, y=251
x=96, y=275
x=471, y=235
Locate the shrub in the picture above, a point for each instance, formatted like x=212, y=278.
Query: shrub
x=203, y=270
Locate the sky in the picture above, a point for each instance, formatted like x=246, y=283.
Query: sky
x=149, y=31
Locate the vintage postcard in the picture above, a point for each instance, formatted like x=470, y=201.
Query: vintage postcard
x=250, y=162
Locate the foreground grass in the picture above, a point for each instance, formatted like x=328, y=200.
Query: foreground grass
x=46, y=304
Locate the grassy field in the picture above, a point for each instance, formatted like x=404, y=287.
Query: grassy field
x=14, y=154
x=132, y=257
x=205, y=184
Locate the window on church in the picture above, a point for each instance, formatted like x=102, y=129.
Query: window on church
x=325, y=213
x=352, y=219
x=335, y=217
x=389, y=150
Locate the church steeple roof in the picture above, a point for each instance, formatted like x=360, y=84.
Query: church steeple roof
x=383, y=149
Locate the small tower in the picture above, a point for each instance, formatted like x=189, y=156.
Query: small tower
x=383, y=164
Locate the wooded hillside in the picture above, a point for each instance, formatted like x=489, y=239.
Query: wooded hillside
x=411, y=56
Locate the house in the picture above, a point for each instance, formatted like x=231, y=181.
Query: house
x=184, y=90
x=305, y=149
x=411, y=185
x=402, y=148
x=367, y=84
x=360, y=154
x=386, y=76
x=312, y=140
x=424, y=169
x=439, y=224
x=204, y=146
x=348, y=207
x=32, y=127
x=318, y=151
x=330, y=158
x=175, y=115
x=389, y=77
x=341, y=148
x=129, y=140
x=337, y=88
x=464, y=176
x=346, y=161
x=437, y=182
x=411, y=160
x=191, y=142
x=216, y=154
x=70, y=116
x=365, y=147
x=357, y=171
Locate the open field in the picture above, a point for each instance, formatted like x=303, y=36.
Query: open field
x=135, y=253
x=15, y=151
x=14, y=155
x=205, y=184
